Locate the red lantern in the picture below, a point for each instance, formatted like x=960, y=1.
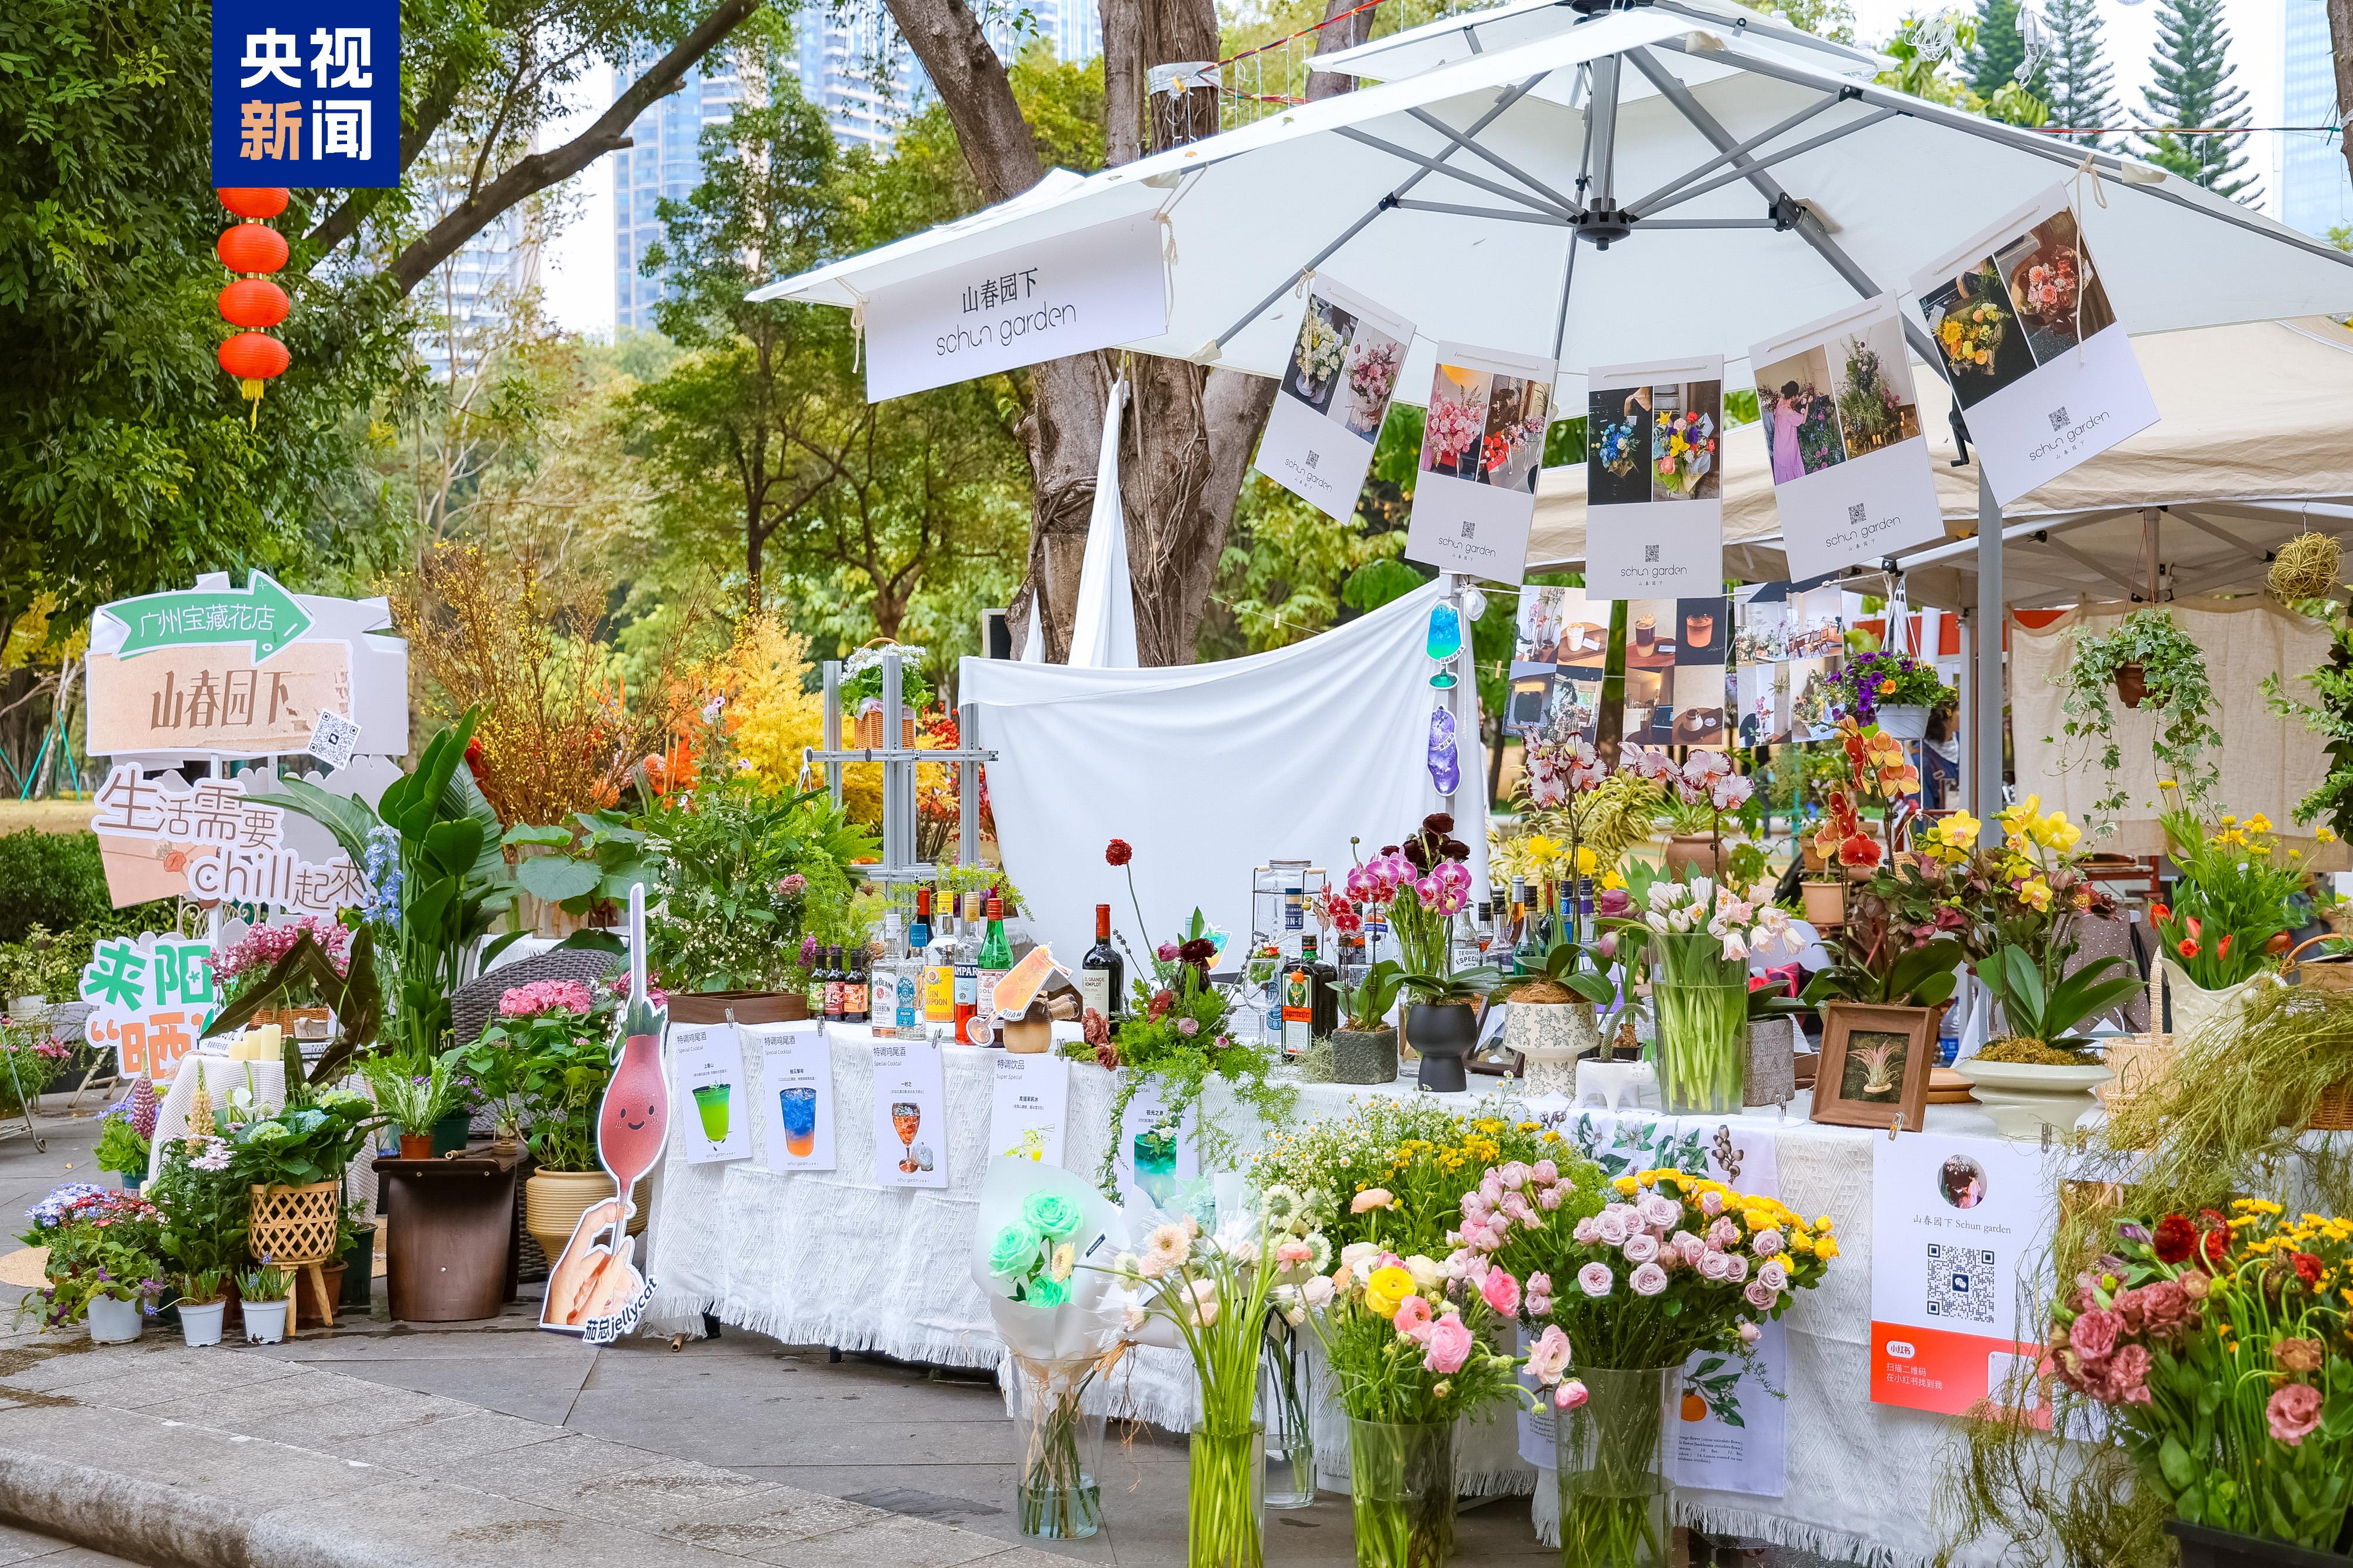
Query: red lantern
x=252, y=247
x=253, y=201
x=253, y=358
x=254, y=302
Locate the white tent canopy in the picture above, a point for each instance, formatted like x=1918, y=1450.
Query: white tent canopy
x=2252, y=448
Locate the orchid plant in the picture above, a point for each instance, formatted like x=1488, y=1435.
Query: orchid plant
x=1424, y=883
x=1707, y=786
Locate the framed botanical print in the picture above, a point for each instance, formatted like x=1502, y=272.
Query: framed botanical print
x=1874, y=1065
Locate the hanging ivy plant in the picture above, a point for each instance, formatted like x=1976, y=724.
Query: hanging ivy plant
x=2329, y=716
x=2173, y=677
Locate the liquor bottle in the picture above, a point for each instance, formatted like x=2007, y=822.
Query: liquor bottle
x=996, y=959
x=857, y=988
x=939, y=975
x=882, y=978
x=833, y=986
x=1322, y=989
x=907, y=982
x=817, y=986
x=1527, y=953
x=1102, y=971
x=967, y=966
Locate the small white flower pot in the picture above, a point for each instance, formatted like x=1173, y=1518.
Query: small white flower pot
x=264, y=1323
x=1904, y=720
x=114, y=1322
x=200, y=1324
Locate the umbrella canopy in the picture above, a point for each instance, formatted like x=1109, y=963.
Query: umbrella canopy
x=1761, y=192
x=2251, y=449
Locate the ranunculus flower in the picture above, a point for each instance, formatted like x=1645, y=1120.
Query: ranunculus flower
x=2299, y=1355
x=1548, y=1357
x=1358, y=1253
x=1648, y=1280
x=2176, y=1238
x=1448, y=1347
x=2292, y=1412
x=1371, y=1198
x=2094, y=1334
x=1595, y=1279
x=1500, y=1291
x=1119, y=852
x=1412, y=1318
x=1317, y=1292
x=1385, y=1289
x=1188, y=1027
x=1570, y=1395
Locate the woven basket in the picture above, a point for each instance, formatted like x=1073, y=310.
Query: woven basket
x=2138, y=1060
x=294, y=1226
x=2334, y=1113
x=866, y=730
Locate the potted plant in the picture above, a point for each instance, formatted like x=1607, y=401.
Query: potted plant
x=2173, y=681
x=202, y=1203
x=293, y=1160
x=103, y=1260
x=264, y=1292
x=354, y=1271
x=2217, y=1349
x=203, y=1306
x=1893, y=690
x=862, y=692
x=1552, y=1021
x=30, y=1057
x=1424, y=883
x=124, y=1134
x=2041, y=1074
x=2223, y=932
x=1365, y=1046
x=413, y=1094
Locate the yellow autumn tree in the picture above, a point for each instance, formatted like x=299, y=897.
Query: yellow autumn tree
x=771, y=715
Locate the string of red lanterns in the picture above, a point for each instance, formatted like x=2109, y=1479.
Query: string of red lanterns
x=253, y=356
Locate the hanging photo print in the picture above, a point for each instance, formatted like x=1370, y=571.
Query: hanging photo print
x=1481, y=444
x=1654, y=450
x=1558, y=663
x=1675, y=659
x=2041, y=369
x=1334, y=394
x=1850, y=472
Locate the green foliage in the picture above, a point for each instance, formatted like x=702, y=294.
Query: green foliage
x=2329, y=715
x=1995, y=53
x=547, y=1074
x=2041, y=1006
x=2190, y=87
x=1422, y=1154
x=265, y=1284
x=119, y=1148
x=206, y=1214
x=305, y=971
x=413, y=1093
x=100, y=1244
x=1874, y=972
x=2174, y=667
x=1924, y=47
x=312, y=1138
x=2076, y=81
x=56, y=881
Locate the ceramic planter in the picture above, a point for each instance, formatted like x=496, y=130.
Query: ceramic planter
x=1443, y=1035
x=200, y=1321
x=114, y=1322
x=2023, y=1098
x=1689, y=853
x=264, y=1323
x=554, y=1201
x=2195, y=1007
x=1904, y=720
x=2205, y=1548
x=1364, y=1055
x=1549, y=1037
x=1825, y=902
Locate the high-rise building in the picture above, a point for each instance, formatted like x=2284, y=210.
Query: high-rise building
x=664, y=160
x=2315, y=190
x=469, y=301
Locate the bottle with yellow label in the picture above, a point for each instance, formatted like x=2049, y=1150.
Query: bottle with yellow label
x=939, y=972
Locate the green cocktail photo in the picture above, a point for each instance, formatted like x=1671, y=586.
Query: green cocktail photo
x=710, y=1104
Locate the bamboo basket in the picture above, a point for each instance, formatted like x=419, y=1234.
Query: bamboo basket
x=867, y=730
x=2138, y=1060
x=294, y=1228
x=2334, y=1113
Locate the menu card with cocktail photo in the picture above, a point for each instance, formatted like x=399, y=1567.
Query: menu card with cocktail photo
x=707, y=1062
x=911, y=1106
x=795, y=1095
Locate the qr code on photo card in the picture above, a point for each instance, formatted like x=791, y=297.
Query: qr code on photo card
x=1960, y=1282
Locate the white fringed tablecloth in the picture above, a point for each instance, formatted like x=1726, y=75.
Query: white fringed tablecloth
x=830, y=1259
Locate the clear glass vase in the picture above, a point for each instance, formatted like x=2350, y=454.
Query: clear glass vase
x=1401, y=1491
x=1614, y=1483
x=1285, y=1410
x=1059, y=1496
x=1702, y=999
x=1225, y=1502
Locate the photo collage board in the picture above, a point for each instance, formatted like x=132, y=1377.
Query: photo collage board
x=1747, y=669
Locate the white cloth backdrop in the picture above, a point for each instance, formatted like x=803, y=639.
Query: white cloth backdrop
x=1210, y=770
x=829, y=1258
x=2267, y=762
x=1102, y=624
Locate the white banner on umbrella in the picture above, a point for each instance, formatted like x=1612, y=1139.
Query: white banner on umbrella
x=1055, y=297
x=1481, y=444
x=1842, y=431
x=1334, y=394
x=2039, y=362
x=1655, y=438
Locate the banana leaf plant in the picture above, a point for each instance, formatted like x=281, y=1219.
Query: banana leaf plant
x=2041, y=1008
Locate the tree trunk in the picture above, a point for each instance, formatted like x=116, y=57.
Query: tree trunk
x=751, y=542
x=1190, y=432
x=2340, y=41
x=1337, y=36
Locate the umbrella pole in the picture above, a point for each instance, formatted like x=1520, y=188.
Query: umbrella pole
x=1993, y=618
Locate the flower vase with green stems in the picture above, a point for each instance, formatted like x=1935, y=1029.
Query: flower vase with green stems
x=1286, y=1410
x=1702, y=1000
x=1059, y=1496
x=1612, y=1470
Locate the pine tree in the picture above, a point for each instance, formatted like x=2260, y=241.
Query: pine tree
x=1996, y=54
x=2191, y=88
x=2077, y=82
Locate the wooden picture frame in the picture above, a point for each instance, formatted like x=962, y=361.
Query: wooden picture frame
x=1845, y=1093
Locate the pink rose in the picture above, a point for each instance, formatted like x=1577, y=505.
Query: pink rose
x=1570, y=1395
x=1751, y=1333
x=1648, y=1280
x=1548, y=1357
x=1640, y=1247
x=1759, y=1294
x=1724, y=1231
x=1711, y=1203
x=1448, y=1347
x=1545, y=1173
x=2094, y=1334
x=1714, y=1266
x=1775, y=1274
x=1587, y=1231
x=2292, y=1412
x=1595, y=1279
x=1766, y=1243
x=1514, y=1173
x=1614, y=1223
x=1500, y=1291
x=1688, y=1247
x=1659, y=1211
x=1412, y=1318
x=1735, y=1268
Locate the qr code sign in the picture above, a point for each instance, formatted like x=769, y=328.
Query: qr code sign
x=2059, y=417
x=1856, y=512
x=1960, y=1282
x=334, y=739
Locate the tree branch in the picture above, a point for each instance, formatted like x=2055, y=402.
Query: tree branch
x=528, y=177
x=344, y=221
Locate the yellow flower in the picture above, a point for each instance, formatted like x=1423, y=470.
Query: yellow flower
x=1586, y=861
x=1385, y=1288
x=2168, y=784
x=2036, y=894
x=1823, y=1222
x=2259, y=823
x=1960, y=830
x=1614, y=879
x=1544, y=851
x=1826, y=1247
x=1627, y=1187
x=2325, y=835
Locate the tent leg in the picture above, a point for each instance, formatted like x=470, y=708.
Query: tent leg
x=1992, y=621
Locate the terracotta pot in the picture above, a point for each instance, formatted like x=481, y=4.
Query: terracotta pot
x=416, y=1146
x=1688, y=852
x=1825, y=902
x=2132, y=684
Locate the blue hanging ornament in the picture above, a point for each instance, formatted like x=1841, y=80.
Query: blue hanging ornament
x=1445, y=771
x=1445, y=632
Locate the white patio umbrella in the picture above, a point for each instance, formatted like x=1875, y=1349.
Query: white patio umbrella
x=1728, y=189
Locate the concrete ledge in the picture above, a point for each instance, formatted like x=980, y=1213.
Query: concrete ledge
x=224, y=1458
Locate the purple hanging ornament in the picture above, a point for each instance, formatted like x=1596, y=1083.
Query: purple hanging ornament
x=1445, y=773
